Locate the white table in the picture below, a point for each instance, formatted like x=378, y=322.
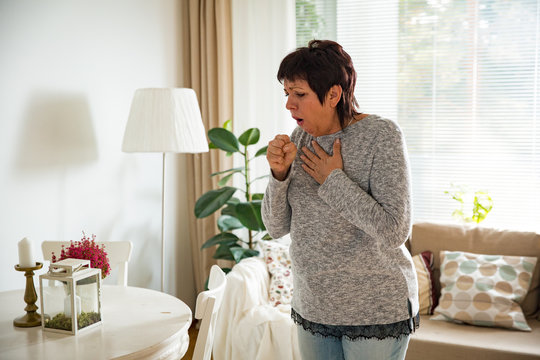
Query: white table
x=137, y=324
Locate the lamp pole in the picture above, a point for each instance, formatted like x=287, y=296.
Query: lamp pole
x=163, y=225
x=164, y=120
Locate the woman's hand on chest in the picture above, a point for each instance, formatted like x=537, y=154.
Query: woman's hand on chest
x=320, y=164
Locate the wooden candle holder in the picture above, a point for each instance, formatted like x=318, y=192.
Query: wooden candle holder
x=32, y=318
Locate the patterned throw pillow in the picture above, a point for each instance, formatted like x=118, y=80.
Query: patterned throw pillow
x=484, y=290
x=423, y=264
x=277, y=260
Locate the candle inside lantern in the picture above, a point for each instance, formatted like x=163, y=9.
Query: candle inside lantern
x=67, y=305
x=26, y=254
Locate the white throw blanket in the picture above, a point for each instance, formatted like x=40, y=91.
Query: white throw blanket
x=248, y=326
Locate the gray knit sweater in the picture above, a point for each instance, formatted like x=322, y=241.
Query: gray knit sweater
x=349, y=261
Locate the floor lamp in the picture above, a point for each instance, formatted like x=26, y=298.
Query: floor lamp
x=164, y=120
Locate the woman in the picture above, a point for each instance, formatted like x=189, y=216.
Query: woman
x=340, y=187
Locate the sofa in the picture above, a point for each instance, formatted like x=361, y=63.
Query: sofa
x=251, y=326
x=445, y=340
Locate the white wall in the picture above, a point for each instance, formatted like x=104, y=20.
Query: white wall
x=68, y=71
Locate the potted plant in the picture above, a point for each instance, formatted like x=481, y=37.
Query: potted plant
x=472, y=206
x=238, y=215
x=87, y=249
x=76, y=304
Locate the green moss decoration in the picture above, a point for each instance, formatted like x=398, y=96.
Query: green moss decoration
x=86, y=319
x=63, y=322
x=60, y=321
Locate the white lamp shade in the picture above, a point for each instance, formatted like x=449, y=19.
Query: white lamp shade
x=165, y=120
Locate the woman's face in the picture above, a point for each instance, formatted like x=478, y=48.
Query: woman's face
x=315, y=118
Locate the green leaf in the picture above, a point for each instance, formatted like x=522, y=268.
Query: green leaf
x=227, y=125
x=262, y=151
x=233, y=201
x=221, y=238
x=226, y=270
x=225, y=179
x=257, y=196
x=212, y=200
x=224, y=139
x=224, y=252
x=249, y=214
x=267, y=237
x=240, y=253
x=230, y=209
x=249, y=137
x=227, y=223
x=236, y=169
x=211, y=145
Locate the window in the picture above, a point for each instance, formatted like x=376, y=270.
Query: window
x=461, y=79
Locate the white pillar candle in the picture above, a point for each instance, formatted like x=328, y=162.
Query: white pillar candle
x=67, y=305
x=26, y=254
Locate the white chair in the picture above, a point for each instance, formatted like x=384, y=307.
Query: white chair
x=207, y=307
x=118, y=252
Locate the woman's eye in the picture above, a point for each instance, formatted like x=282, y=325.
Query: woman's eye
x=295, y=94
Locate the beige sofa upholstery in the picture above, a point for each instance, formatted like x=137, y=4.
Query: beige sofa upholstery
x=251, y=328
x=443, y=340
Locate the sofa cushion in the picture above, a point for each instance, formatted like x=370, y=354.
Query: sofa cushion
x=443, y=340
x=475, y=239
x=278, y=261
x=484, y=290
x=423, y=264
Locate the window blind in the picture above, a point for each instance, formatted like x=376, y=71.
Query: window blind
x=461, y=78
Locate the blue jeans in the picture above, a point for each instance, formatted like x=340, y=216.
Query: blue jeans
x=317, y=347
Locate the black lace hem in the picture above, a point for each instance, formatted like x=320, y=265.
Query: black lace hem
x=354, y=332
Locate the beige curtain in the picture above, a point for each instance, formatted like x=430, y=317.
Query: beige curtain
x=208, y=70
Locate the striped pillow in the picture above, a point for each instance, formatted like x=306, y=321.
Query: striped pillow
x=423, y=264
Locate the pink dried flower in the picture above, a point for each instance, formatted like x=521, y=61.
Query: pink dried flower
x=87, y=249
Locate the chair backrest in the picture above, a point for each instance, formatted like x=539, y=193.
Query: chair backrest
x=207, y=307
x=118, y=252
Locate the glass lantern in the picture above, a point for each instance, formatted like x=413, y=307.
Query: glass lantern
x=70, y=296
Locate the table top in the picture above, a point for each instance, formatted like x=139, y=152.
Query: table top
x=137, y=324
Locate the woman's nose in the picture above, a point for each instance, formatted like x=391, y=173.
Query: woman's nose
x=290, y=104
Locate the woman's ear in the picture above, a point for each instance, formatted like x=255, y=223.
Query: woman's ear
x=334, y=95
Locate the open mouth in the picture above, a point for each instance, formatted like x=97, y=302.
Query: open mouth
x=298, y=120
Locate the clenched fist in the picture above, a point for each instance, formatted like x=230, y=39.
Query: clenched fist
x=280, y=155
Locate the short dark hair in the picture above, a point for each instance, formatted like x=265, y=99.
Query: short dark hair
x=323, y=64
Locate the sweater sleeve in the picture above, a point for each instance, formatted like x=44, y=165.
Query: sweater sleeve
x=276, y=211
x=385, y=212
